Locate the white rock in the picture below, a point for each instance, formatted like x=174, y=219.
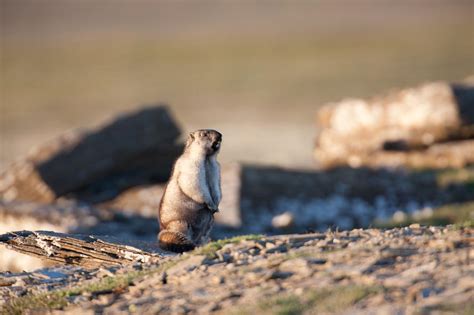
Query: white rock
x=283, y=220
x=399, y=216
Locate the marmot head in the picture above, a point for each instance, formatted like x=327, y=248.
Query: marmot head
x=205, y=141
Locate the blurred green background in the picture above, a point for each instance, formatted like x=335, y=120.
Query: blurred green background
x=255, y=70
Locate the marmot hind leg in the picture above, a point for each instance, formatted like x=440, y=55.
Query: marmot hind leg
x=174, y=237
x=175, y=241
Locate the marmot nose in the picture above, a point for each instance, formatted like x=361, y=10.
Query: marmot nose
x=216, y=144
x=216, y=137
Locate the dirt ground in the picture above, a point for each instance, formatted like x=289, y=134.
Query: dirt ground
x=411, y=270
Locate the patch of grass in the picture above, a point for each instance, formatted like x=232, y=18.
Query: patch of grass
x=55, y=300
x=463, y=225
x=59, y=299
x=460, y=215
x=462, y=176
x=460, y=309
x=287, y=305
x=209, y=250
x=328, y=300
x=337, y=299
x=310, y=254
x=301, y=254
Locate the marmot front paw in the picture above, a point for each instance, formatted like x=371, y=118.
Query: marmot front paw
x=213, y=209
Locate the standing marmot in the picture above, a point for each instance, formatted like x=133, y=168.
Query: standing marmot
x=192, y=195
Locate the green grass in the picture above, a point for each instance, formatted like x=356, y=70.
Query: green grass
x=288, y=305
x=446, y=308
x=311, y=253
x=462, y=176
x=337, y=299
x=209, y=250
x=459, y=215
x=330, y=300
x=59, y=299
x=301, y=254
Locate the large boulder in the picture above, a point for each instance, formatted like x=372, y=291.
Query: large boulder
x=134, y=148
x=402, y=128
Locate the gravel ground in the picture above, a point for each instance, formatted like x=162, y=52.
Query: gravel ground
x=407, y=270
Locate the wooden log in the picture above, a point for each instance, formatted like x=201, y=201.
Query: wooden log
x=82, y=250
x=68, y=217
x=132, y=148
x=354, y=130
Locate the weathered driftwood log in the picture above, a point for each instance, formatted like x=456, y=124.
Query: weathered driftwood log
x=353, y=131
x=133, y=148
x=68, y=217
x=30, y=216
x=81, y=250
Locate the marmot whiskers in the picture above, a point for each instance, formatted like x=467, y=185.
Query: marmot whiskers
x=192, y=195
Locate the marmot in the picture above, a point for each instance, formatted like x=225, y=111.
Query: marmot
x=192, y=195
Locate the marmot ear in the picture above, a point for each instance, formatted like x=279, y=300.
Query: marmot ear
x=189, y=140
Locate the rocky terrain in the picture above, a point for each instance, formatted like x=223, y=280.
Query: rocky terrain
x=383, y=225
x=411, y=270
